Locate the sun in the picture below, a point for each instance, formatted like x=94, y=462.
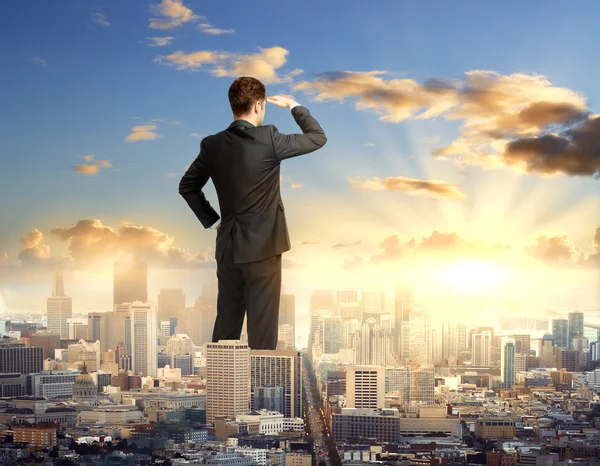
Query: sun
x=472, y=277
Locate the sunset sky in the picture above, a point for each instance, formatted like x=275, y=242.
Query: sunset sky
x=463, y=145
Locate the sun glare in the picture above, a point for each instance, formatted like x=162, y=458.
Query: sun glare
x=471, y=277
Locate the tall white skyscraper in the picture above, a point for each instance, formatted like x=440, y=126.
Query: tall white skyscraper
x=373, y=345
x=365, y=387
x=227, y=379
x=420, y=345
x=481, y=347
x=59, y=308
x=287, y=313
x=144, y=325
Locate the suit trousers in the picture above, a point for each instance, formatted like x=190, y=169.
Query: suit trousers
x=252, y=288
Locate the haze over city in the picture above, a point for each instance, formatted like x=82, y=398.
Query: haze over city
x=467, y=167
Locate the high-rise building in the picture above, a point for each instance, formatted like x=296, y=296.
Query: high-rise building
x=522, y=343
x=481, y=346
x=227, y=379
x=419, y=339
x=130, y=281
x=285, y=336
x=59, y=308
x=144, y=328
x=373, y=345
x=560, y=331
x=575, y=326
x=269, y=398
x=322, y=300
x=547, y=351
x=404, y=298
x=77, y=328
x=365, y=387
x=287, y=313
x=330, y=333
x=507, y=362
x=278, y=369
x=373, y=303
x=17, y=358
x=170, y=302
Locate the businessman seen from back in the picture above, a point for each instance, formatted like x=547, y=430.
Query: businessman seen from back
x=243, y=162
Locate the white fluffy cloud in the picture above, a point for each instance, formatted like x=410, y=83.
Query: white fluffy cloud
x=263, y=65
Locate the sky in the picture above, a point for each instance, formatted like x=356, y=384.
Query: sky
x=462, y=147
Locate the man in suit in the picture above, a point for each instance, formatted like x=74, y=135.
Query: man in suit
x=243, y=162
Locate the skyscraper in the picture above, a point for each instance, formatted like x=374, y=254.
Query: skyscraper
x=575, y=326
x=278, y=369
x=365, y=387
x=287, y=312
x=144, y=328
x=227, y=379
x=373, y=303
x=330, y=333
x=130, y=281
x=507, y=362
x=59, y=308
x=404, y=298
x=560, y=331
x=481, y=347
x=373, y=345
x=419, y=339
x=170, y=302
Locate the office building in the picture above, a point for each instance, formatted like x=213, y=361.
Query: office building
x=560, y=331
x=59, y=308
x=16, y=358
x=507, y=362
x=227, y=379
x=575, y=327
x=287, y=315
x=365, y=387
x=143, y=325
x=278, y=369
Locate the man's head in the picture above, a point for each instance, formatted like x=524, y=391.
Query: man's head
x=248, y=99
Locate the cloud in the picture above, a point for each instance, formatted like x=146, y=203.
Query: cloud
x=170, y=175
x=438, y=245
x=519, y=121
x=91, y=169
x=305, y=243
x=3, y=258
x=100, y=18
x=142, y=133
x=555, y=250
x=86, y=169
x=369, y=144
x=174, y=13
x=343, y=245
x=89, y=241
x=209, y=29
x=263, y=65
x=39, y=61
x=159, y=41
x=297, y=185
x=432, y=189
x=196, y=135
x=34, y=250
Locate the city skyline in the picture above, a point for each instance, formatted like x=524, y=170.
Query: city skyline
x=462, y=170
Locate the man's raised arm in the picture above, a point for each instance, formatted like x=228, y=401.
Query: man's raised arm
x=190, y=188
x=293, y=145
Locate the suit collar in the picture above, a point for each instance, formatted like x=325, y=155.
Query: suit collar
x=244, y=123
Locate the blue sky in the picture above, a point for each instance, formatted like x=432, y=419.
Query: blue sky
x=77, y=77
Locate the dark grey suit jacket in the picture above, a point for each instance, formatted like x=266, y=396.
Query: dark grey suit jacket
x=243, y=162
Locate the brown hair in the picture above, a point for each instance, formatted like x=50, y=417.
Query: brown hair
x=244, y=92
